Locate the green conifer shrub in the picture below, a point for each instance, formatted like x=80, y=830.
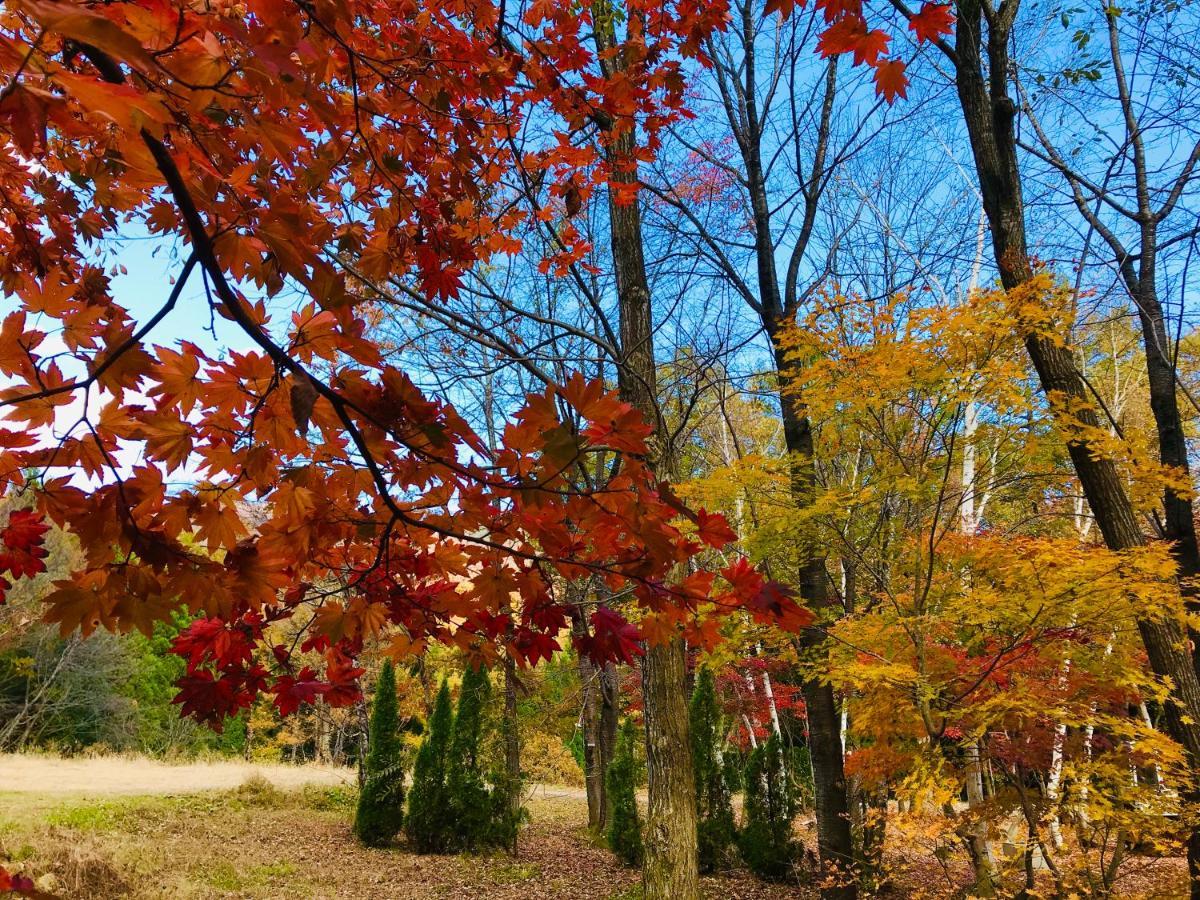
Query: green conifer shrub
x=469, y=802
x=428, y=822
x=624, y=826
x=765, y=841
x=380, y=811
x=715, y=830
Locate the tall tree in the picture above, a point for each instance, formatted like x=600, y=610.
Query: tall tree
x=990, y=115
x=982, y=70
x=1131, y=191
x=670, y=866
x=764, y=192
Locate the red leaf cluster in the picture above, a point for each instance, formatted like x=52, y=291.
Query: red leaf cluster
x=24, y=552
x=17, y=884
x=847, y=32
x=331, y=152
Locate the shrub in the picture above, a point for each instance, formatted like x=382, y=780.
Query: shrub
x=427, y=825
x=469, y=804
x=624, y=826
x=548, y=759
x=380, y=811
x=715, y=831
x=766, y=841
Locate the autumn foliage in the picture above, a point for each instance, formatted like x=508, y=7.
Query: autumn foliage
x=329, y=150
x=848, y=32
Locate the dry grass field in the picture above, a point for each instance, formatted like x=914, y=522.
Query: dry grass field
x=116, y=827
x=98, y=776
x=124, y=827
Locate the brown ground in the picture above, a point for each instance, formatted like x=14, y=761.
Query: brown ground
x=129, y=828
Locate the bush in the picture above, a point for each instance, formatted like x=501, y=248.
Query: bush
x=427, y=825
x=453, y=806
x=548, y=759
x=715, y=831
x=624, y=826
x=469, y=805
x=766, y=841
x=380, y=811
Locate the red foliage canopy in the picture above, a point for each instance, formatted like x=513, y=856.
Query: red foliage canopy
x=326, y=148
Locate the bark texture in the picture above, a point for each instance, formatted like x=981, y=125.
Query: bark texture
x=670, y=870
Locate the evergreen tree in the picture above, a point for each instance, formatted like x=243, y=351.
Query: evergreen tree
x=469, y=801
x=380, y=810
x=428, y=825
x=507, y=812
x=766, y=841
x=624, y=827
x=715, y=831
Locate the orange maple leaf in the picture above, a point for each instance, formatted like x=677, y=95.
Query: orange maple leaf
x=890, y=80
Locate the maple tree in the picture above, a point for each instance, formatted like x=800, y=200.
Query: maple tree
x=985, y=647
x=381, y=133
x=983, y=78
x=300, y=500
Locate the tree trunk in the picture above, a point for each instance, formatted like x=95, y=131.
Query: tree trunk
x=610, y=711
x=512, y=735
x=670, y=870
x=776, y=304
x=983, y=861
x=589, y=724
x=835, y=838
x=989, y=114
x=1179, y=525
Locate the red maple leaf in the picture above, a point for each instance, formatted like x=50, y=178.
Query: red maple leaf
x=783, y=7
x=25, y=530
x=291, y=693
x=211, y=699
x=342, y=675
x=23, y=537
x=775, y=604
x=439, y=279
x=934, y=20
x=713, y=529
x=842, y=36
x=528, y=646
x=872, y=45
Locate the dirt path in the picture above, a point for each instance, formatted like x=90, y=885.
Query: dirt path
x=131, y=775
